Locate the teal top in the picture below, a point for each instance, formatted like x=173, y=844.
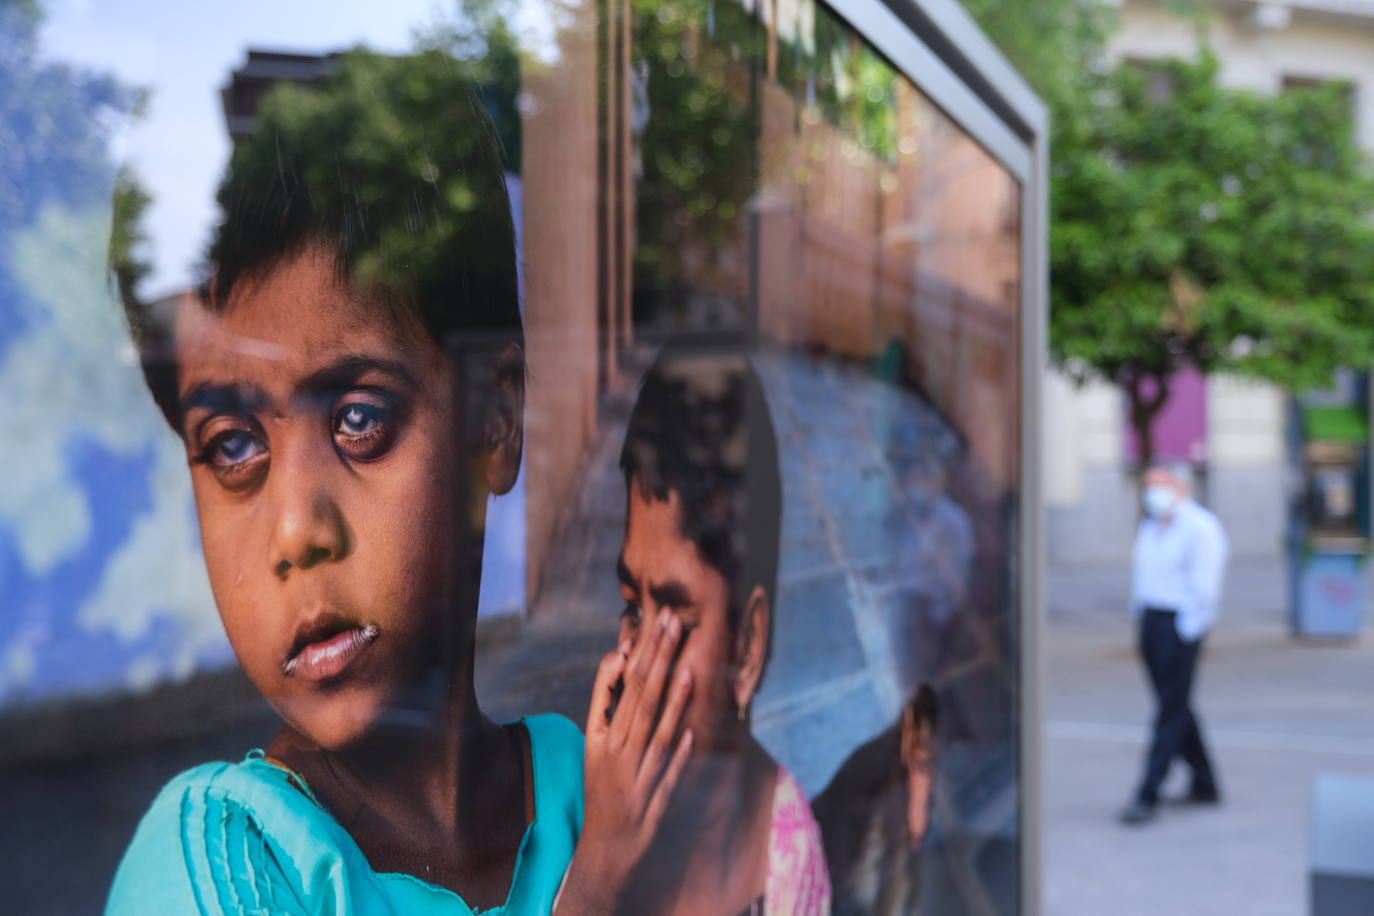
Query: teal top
x=225, y=839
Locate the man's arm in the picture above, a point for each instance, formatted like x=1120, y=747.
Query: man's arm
x=1206, y=571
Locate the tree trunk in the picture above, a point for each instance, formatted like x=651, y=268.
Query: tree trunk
x=1144, y=407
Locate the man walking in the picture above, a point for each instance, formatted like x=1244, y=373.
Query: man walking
x=1179, y=564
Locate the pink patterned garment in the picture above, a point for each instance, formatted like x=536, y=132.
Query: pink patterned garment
x=798, y=881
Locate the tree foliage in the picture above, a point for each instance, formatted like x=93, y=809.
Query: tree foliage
x=128, y=255
x=395, y=156
x=1054, y=44
x=490, y=57
x=698, y=141
x=1194, y=224
x=1204, y=226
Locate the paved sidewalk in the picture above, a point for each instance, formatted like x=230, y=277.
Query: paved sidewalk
x=1275, y=712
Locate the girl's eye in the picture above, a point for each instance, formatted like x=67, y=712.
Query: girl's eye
x=235, y=452
x=357, y=420
x=233, y=448
x=632, y=613
x=364, y=430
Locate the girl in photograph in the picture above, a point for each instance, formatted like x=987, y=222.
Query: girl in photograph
x=699, y=564
x=349, y=387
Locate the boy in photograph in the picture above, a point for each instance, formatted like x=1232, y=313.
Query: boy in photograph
x=699, y=561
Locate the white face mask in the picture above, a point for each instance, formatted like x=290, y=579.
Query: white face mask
x=1159, y=500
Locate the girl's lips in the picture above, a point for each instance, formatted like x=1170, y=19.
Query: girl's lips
x=327, y=658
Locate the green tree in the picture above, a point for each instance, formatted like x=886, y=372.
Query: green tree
x=699, y=143
x=128, y=254
x=398, y=150
x=1196, y=225
x=1055, y=44
x=491, y=58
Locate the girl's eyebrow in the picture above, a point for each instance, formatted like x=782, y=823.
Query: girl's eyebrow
x=243, y=397
x=218, y=398
x=223, y=397
x=346, y=370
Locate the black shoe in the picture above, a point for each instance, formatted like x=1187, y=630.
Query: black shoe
x=1137, y=812
x=1198, y=796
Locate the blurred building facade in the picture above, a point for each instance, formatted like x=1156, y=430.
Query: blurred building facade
x=1231, y=430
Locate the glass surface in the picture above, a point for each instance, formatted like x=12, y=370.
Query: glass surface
x=502, y=329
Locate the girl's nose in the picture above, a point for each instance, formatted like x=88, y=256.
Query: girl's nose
x=309, y=528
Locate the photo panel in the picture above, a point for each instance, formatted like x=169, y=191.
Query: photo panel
x=700, y=310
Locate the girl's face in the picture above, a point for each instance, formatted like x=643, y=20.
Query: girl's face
x=321, y=439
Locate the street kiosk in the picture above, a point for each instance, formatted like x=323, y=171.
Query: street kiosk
x=1329, y=523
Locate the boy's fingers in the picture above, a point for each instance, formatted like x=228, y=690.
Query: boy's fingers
x=641, y=657
x=665, y=732
x=663, y=792
x=651, y=697
x=611, y=669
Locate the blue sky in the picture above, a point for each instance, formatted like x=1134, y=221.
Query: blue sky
x=183, y=52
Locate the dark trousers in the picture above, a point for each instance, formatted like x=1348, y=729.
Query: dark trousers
x=1171, y=660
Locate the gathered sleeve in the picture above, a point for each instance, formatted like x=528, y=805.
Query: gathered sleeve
x=200, y=850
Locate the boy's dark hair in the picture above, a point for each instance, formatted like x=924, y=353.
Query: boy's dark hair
x=925, y=706
x=392, y=168
x=701, y=428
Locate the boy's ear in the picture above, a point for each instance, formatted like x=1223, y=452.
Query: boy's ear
x=751, y=645
x=503, y=428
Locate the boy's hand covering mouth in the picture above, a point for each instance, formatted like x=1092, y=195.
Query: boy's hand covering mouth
x=324, y=647
x=635, y=757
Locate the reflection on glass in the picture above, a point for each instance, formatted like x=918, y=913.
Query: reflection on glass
x=876, y=811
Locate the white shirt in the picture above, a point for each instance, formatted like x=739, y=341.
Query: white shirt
x=1179, y=564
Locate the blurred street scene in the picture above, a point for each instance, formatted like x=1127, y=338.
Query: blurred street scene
x=1275, y=713
x=1285, y=687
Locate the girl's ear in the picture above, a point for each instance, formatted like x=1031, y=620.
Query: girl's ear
x=751, y=646
x=503, y=429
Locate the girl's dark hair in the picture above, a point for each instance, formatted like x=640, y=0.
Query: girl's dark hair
x=393, y=168
x=701, y=428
